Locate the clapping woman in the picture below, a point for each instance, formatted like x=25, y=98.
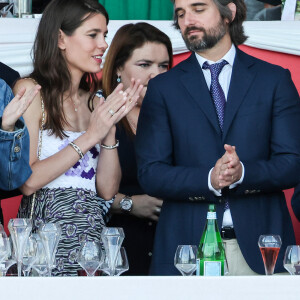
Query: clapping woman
x=137, y=51
x=73, y=148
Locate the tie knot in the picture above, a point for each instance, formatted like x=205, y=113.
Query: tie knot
x=215, y=69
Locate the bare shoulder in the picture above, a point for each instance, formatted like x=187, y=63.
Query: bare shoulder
x=34, y=111
x=27, y=83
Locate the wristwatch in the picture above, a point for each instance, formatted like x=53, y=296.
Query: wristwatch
x=126, y=204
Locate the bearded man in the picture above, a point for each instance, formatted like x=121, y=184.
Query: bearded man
x=221, y=127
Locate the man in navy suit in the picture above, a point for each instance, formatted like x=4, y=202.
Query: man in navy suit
x=221, y=127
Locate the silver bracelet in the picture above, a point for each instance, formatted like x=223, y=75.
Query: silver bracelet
x=110, y=147
x=77, y=149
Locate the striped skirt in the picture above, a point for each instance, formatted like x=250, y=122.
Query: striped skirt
x=81, y=216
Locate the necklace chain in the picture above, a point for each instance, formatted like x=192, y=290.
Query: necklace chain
x=75, y=108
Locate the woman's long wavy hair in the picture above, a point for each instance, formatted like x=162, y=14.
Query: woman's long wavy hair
x=50, y=68
x=236, y=29
x=128, y=38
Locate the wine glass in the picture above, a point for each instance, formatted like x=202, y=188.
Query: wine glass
x=269, y=247
x=185, y=259
x=30, y=255
x=90, y=257
x=112, y=238
x=19, y=231
x=40, y=264
x=291, y=260
x=9, y=260
x=50, y=234
x=121, y=265
x=3, y=244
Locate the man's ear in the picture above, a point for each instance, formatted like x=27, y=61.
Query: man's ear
x=232, y=7
x=61, y=40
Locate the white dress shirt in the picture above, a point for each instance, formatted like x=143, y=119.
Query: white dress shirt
x=224, y=80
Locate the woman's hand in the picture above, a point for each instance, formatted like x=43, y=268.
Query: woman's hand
x=145, y=206
x=107, y=113
x=16, y=108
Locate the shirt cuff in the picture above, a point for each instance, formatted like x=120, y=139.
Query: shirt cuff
x=216, y=192
x=232, y=186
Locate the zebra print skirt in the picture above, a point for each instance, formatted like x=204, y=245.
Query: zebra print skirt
x=81, y=216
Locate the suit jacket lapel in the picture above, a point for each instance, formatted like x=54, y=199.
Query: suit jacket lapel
x=241, y=79
x=194, y=82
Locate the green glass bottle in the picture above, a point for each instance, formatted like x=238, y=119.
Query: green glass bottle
x=211, y=253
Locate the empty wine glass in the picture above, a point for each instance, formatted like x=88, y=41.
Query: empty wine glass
x=40, y=264
x=19, y=231
x=9, y=260
x=112, y=238
x=269, y=246
x=50, y=234
x=291, y=260
x=121, y=265
x=185, y=259
x=90, y=257
x=30, y=255
x=3, y=244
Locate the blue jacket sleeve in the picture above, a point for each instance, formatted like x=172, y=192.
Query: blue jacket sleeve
x=14, y=148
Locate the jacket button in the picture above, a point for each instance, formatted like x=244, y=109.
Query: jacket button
x=150, y=253
x=17, y=149
x=150, y=223
x=220, y=200
x=19, y=136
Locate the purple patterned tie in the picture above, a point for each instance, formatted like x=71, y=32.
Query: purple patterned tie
x=217, y=94
x=216, y=90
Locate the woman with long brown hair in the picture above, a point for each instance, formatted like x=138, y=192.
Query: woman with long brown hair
x=73, y=146
x=141, y=51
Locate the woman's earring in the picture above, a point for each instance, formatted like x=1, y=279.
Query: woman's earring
x=119, y=79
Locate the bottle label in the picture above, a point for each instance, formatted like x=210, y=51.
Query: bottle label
x=211, y=215
x=212, y=268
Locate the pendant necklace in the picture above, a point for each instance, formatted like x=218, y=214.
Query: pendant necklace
x=75, y=108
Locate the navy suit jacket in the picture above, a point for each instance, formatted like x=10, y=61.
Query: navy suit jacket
x=179, y=141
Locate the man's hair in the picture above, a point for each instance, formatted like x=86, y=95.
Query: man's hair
x=236, y=29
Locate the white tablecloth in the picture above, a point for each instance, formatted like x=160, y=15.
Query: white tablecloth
x=17, y=36
x=283, y=287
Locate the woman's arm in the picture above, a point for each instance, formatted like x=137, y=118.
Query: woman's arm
x=47, y=170
x=108, y=170
x=14, y=138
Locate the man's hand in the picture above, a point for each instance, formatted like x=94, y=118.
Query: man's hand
x=215, y=174
x=227, y=170
x=230, y=172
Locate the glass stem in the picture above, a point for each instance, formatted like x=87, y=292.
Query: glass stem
x=19, y=268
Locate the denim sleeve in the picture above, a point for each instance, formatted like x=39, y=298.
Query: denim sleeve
x=14, y=148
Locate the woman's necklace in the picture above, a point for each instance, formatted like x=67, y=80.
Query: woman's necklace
x=73, y=102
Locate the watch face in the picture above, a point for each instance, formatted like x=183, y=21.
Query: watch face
x=126, y=204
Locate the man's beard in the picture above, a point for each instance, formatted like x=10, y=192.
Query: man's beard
x=209, y=39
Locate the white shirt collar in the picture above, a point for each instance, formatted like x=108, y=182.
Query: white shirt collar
x=229, y=57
